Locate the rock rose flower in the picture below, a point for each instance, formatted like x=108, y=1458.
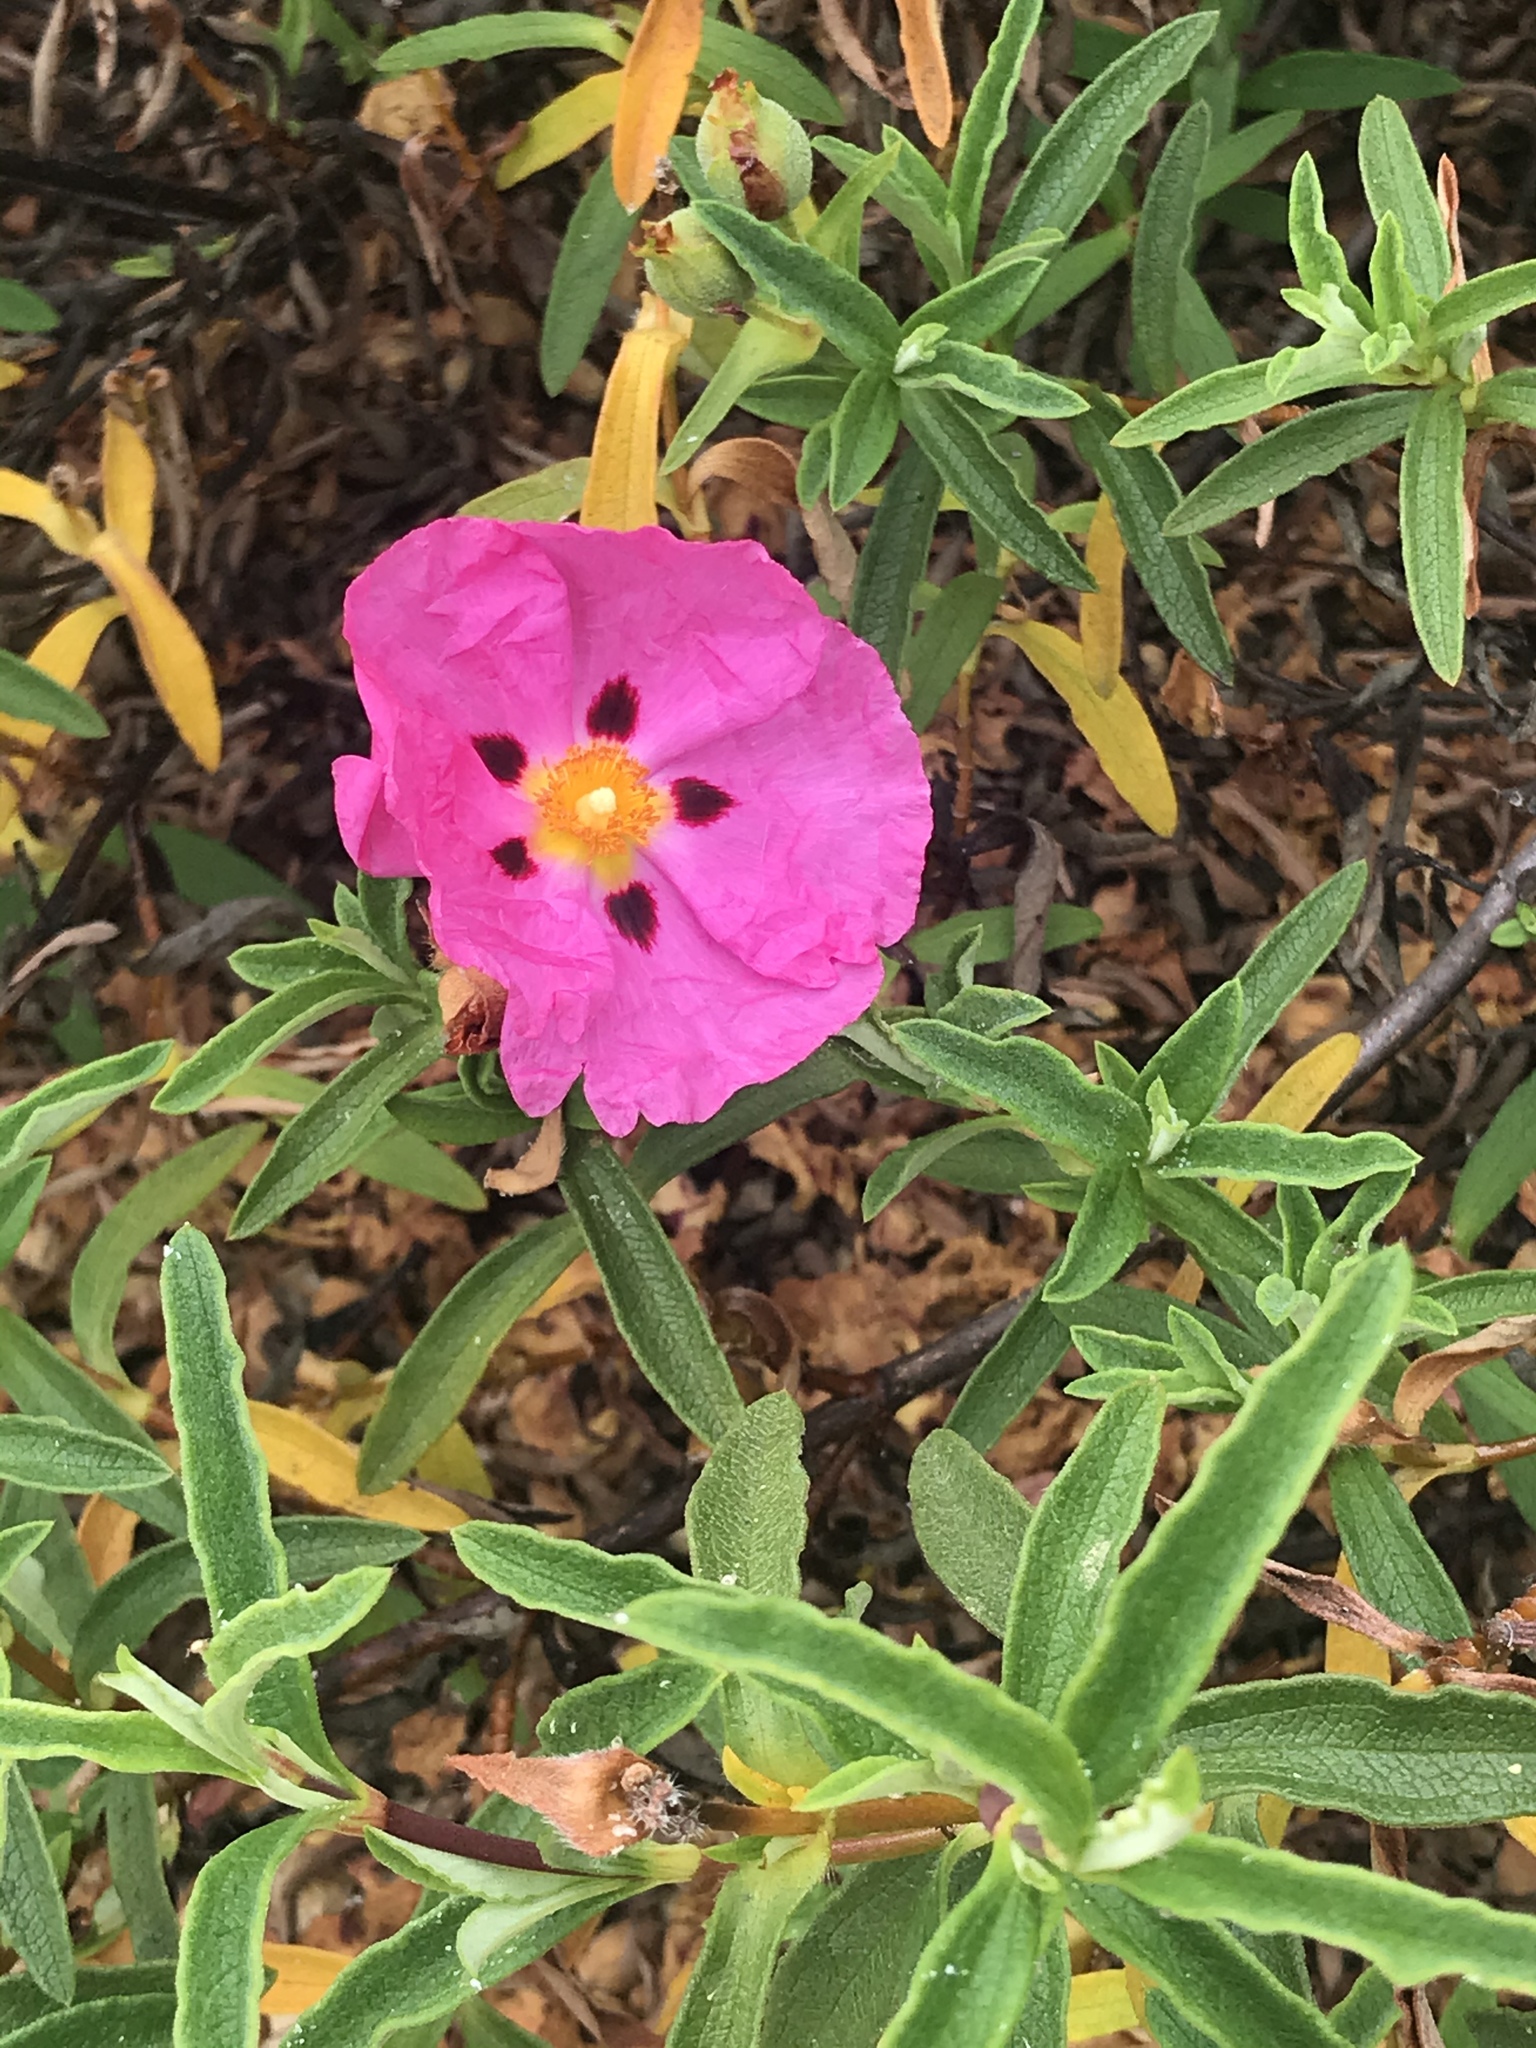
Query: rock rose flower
x=659, y=798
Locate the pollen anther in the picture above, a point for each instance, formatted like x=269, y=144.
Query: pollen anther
x=596, y=805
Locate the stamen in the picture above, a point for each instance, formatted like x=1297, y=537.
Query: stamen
x=597, y=806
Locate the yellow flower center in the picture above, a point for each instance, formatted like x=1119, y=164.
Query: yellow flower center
x=595, y=805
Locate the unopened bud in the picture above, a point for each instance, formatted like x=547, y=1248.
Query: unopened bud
x=752, y=150
x=687, y=267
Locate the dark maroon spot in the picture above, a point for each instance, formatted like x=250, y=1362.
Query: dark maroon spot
x=513, y=858
x=505, y=757
x=633, y=913
x=613, y=711
x=700, y=803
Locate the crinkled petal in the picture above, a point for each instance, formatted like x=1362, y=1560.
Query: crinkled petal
x=818, y=859
x=711, y=638
x=376, y=840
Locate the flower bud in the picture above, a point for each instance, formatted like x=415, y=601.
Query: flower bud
x=687, y=267
x=752, y=151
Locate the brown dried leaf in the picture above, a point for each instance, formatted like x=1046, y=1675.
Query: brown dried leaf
x=601, y=1800
x=1428, y=1377
x=539, y=1166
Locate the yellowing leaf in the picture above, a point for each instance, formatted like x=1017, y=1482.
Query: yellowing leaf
x=454, y=1461
x=171, y=651
x=10, y=373
x=62, y=653
x=1099, y=2003
x=1298, y=1095
x=1101, y=612
x=621, y=484
x=751, y=1784
x=565, y=124
x=301, y=1454
x=927, y=70
x=1349, y=1654
x=1115, y=726
x=128, y=485
x=65, y=525
x=1523, y=1828
x=105, y=1530
x=655, y=85
x=1274, y=1817
x=302, y=1975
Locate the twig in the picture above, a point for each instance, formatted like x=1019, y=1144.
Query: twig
x=949, y=1357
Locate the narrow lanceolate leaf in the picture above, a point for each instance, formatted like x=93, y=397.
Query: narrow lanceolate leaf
x=644, y=1706
x=219, y=1974
x=922, y=46
x=656, y=74
x=728, y=1987
x=746, y=1513
x=591, y=250
x=1195, y=1064
x=1162, y=245
x=1071, y=1553
x=1291, y=954
x=563, y=1576
x=995, y=381
x=1410, y=1933
x=1320, y=258
x=808, y=285
x=940, y=1710
x=970, y=1523
x=1101, y=612
x=298, y=1623
x=895, y=556
x=495, y=35
x=862, y=1942
x=1395, y=183
x=1010, y=1375
x=1143, y=493
x=165, y=1195
x=1509, y=396
x=37, y=1450
x=863, y=431
x=171, y=652
x=32, y=1911
x=323, y=1138
x=986, y=117
x=1038, y=1084
x=562, y=126
x=1393, y=1565
x=1111, y=1223
x=261, y=1030
x=982, y=305
x=71, y=1102
x=1314, y=446
x=1496, y=1166
x=972, y=1978
x=118, y=1742
x=1224, y=397
x=1253, y=1151
x=1071, y=167
x=32, y=694
x=658, y=1314
x=621, y=483
x=1168, y=1614
x=973, y=469
x=1433, y=517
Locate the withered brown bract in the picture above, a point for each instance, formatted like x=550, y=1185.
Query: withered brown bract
x=601, y=1800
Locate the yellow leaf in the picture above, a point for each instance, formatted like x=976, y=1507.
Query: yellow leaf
x=1347, y=1653
x=633, y=1655
x=65, y=525
x=454, y=1461
x=62, y=653
x=302, y=1975
x=128, y=485
x=1298, y=1095
x=1101, y=612
x=621, y=484
x=105, y=1530
x=301, y=1454
x=1274, y=1817
x=1116, y=726
x=171, y=651
x=1099, y=2003
x=10, y=373
x=565, y=124
x=927, y=71
x=655, y=85
x=1523, y=1828
x=752, y=1785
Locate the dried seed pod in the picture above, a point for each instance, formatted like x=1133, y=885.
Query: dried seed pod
x=600, y=1800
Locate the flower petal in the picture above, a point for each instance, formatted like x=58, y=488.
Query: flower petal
x=377, y=841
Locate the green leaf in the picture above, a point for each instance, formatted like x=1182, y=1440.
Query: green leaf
x=27, y=692
x=1228, y=395
x=1509, y=396
x=1320, y=259
x=24, y=311
x=992, y=1153
x=894, y=558
x=1195, y=1064
x=970, y=1523
x=164, y=1196
x=555, y=491
x=972, y=1977
x=497, y=35
x=20, y=1191
x=32, y=1912
x=235, y=1049
x=1143, y=493
x=1071, y=1554
x=1475, y=1299
x=219, y=1975
x=746, y=1514
x=297, y=1623
x=657, y=1312
x=41, y=1117
x=863, y=433
x=1393, y=1565
x=1071, y=167
x=444, y=1114
x=1034, y=1082
x=1313, y=446
x=562, y=1576
x=1393, y=298
x=1010, y=1375
x=995, y=381
x=1162, y=245
x=138, y=1872
x=1167, y=1615
x=1287, y=958
x=942, y=1711
x=1111, y=1223
x=838, y=229
x=760, y=348
x=644, y=1707
x=986, y=118
x=973, y=469
x=912, y=193
x=947, y=638
x=1322, y=81
x=807, y=285
x=207, y=872
x=1447, y=1758
x=1496, y=1166
x=1431, y=502
x=839, y=1984
x=1395, y=183
x=765, y=64
x=144, y=2021
x=322, y=1139
x=984, y=304
x=65, y=1458
x=1315, y=1159
x=799, y=398
x=1205, y=1971
x=1410, y=1933
x=728, y=1988
x=1070, y=274
x=1369, y=2010
x=43, y=1384
x=412, y=1976
x=1242, y=151
x=34, y=1732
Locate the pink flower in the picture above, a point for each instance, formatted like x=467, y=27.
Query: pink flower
x=659, y=797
